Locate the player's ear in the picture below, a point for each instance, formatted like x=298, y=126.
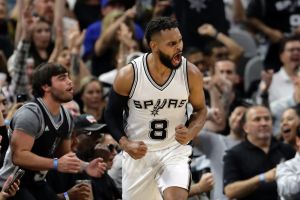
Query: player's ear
x=153, y=46
x=45, y=87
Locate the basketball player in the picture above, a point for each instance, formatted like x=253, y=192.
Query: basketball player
x=40, y=132
x=154, y=91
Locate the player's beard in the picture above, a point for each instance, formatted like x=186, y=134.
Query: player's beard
x=167, y=61
x=61, y=96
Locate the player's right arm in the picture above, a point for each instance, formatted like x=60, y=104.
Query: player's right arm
x=118, y=99
x=26, y=127
x=21, y=145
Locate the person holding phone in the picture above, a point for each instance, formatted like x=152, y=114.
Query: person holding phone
x=12, y=188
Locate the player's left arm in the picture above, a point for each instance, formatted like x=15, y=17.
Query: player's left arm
x=184, y=134
x=197, y=99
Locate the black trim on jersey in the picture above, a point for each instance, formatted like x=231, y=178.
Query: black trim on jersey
x=160, y=87
x=47, y=143
x=55, y=125
x=125, y=117
x=186, y=78
x=135, y=78
x=190, y=178
x=187, y=123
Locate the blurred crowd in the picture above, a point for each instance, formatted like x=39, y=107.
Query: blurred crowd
x=247, y=50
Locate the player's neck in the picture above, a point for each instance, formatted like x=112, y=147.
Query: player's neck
x=156, y=66
x=52, y=105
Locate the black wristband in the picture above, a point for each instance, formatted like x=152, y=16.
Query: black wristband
x=113, y=114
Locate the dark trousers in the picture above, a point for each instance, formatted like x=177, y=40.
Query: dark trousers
x=35, y=191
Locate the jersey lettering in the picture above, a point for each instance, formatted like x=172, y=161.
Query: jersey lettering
x=172, y=102
x=159, y=104
x=148, y=103
x=182, y=103
x=137, y=104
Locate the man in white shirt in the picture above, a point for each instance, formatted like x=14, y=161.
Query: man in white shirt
x=281, y=84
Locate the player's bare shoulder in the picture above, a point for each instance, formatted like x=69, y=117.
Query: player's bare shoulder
x=195, y=79
x=124, y=80
x=194, y=75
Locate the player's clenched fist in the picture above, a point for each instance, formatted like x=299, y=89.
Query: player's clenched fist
x=136, y=149
x=182, y=134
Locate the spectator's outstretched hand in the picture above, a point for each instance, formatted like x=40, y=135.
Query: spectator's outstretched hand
x=215, y=115
x=266, y=80
x=207, y=29
x=27, y=23
x=75, y=39
x=206, y=183
x=297, y=88
x=96, y=167
x=131, y=12
x=69, y=163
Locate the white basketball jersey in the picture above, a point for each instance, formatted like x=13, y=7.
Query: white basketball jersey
x=155, y=110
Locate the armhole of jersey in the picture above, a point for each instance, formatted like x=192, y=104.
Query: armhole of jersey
x=135, y=78
x=68, y=115
x=186, y=77
x=42, y=118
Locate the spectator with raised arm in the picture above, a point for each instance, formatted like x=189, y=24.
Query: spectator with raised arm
x=279, y=106
x=283, y=79
x=105, y=54
x=275, y=20
x=208, y=139
x=234, y=51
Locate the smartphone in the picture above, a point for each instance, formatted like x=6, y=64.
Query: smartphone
x=17, y=176
x=21, y=98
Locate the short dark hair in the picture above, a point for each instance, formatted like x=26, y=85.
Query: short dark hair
x=286, y=40
x=158, y=24
x=42, y=76
x=245, y=116
x=208, y=48
x=191, y=50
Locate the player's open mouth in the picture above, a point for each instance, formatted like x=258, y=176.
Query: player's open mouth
x=176, y=59
x=70, y=89
x=286, y=130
